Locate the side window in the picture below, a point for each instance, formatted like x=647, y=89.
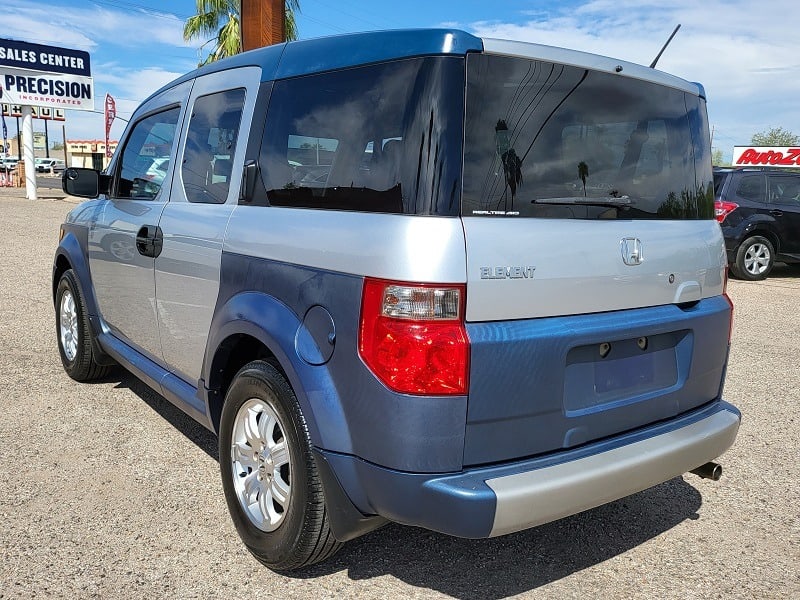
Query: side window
x=211, y=145
x=785, y=189
x=381, y=138
x=145, y=158
x=751, y=187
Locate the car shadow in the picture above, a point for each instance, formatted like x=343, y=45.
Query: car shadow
x=479, y=569
x=520, y=562
x=784, y=271
x=191, y=429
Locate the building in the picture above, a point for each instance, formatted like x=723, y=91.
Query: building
x=89, y=153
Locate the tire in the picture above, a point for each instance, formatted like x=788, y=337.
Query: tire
x=754, y=259
x=269, y=476
x=74, y=333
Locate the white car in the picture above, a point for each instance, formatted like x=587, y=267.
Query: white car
x=50, y=165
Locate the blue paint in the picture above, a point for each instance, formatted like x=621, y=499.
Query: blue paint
x=266, y=300
x=461, y=504
x=540, y=384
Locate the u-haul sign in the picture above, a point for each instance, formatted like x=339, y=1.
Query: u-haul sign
x=766, y=156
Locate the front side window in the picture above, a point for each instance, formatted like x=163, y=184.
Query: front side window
x=144, y=162
x=382, y=138
x=210, y=146
x=551, y=140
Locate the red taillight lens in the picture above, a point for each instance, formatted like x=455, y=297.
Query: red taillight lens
x=723, y=209
x=413, y=338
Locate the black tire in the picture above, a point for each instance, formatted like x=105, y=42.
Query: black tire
x=301, y=536
x=74, y=333
x=754, y=259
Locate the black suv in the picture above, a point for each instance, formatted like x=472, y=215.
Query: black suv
x=759, y=211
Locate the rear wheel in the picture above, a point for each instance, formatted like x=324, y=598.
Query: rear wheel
x=74, y=331
x=754, y=259
x=271, y=483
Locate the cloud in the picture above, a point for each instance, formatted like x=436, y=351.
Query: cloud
x=744, y=54
x=88, y=27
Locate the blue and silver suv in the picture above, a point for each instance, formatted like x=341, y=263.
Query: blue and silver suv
x=470, y=285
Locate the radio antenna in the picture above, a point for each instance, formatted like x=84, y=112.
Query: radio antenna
x=655, y=60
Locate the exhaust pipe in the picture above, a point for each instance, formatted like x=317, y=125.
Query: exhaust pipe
x=710, y=470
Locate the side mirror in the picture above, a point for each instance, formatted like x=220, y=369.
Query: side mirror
x=84, y=183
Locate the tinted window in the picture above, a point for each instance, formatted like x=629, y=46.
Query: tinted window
x=751, y=187
x=210, y=146
x=784, y=189
x=382, y=138
x=550, y=140
x=148, y=146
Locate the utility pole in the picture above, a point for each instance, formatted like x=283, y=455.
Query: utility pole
x=262, y=23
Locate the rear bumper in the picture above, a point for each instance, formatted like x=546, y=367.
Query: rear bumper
x=492, y=501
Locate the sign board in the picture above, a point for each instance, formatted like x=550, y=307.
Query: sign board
x=766, y=156
x=39, y=140
x=45, y=76
x=48, y=114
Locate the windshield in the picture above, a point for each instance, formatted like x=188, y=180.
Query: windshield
x=556, y=141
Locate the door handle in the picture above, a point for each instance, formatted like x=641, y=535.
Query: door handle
x=776, y=213
x=149, y=240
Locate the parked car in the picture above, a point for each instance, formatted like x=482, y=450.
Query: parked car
x=8, y=164
x=50, y=165
x=502, y=303
x=759, y=212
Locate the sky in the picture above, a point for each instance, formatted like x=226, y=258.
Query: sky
x=744, y=53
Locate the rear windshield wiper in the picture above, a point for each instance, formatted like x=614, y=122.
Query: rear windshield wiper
x=609, y=201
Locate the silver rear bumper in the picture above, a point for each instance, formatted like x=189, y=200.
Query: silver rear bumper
x=535, y=497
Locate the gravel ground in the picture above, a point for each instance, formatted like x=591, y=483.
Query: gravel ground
x=108, y=491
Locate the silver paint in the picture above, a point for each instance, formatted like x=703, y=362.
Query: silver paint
x=399, y=247
x=187, y=271
x=535, y=497
x=594, y=62
x=579, y=269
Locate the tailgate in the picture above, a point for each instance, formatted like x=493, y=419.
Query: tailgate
x=570, y=344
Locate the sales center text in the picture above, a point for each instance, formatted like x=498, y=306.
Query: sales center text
x=65, y=92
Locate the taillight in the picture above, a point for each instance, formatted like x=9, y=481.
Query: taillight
x=723, y=209
x=412, y=336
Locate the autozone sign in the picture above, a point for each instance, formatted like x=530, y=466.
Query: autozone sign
x=770, y=156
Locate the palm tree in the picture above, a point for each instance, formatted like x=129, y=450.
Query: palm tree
x=583, y=173
x=221, y=19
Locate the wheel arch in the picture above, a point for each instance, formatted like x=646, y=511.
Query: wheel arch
x=763, y=229
x=255, y=326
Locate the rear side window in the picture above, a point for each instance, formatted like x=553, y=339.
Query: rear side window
x=551, y=140
x=382, y=138
x=751, y=187
x=146, y=151
x=210, y=146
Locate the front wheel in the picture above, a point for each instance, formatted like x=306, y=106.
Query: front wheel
x=271, y=482
x=754, y=259
x=74, y=332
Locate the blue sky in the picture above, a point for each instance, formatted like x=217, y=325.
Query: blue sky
x=744, y=53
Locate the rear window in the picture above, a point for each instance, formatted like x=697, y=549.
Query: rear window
x=556, y=141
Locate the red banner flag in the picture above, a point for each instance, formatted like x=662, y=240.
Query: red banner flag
x=110, y=114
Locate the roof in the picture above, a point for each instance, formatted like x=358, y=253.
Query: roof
x=342, y=51
x=303, y=57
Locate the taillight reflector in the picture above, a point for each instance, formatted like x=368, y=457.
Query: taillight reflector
x=412, y=336
x=723, y=209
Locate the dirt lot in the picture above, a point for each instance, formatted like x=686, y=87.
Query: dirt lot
x=108, y=491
